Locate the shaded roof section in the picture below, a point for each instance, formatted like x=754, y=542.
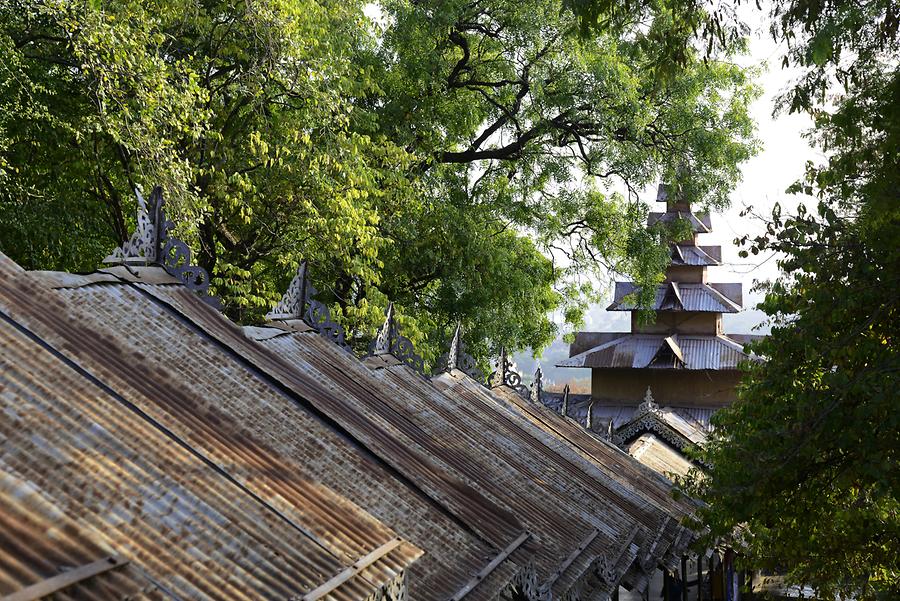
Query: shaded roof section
x=83, y=444
x=621, y=414
x=676, y=296
x=640, y=350
x=605, y=456
x=658, y=456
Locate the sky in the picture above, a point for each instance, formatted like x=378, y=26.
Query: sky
x=765, y=177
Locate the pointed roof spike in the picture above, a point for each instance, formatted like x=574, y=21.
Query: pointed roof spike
x=390, y=342
x=537, y=386
x=649, y=405
x=150, y=244
x=293, y=303
x=507, y=376
x=610, y=431
x=455, y=348
x=458, y=358
x=498, y=378
x=564, y=408
x=589, y=418
x=382, y=345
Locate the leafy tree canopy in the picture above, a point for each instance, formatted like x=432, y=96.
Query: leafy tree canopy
x=459, y=158
x=806, y=463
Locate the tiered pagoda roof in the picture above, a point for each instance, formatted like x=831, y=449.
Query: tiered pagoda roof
x=687, y=332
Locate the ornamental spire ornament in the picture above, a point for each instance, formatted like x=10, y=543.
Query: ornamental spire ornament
x=459, y=359
x=150, y=244
x=564, y=408
x=649, y=405
x=295, y=299
x=298, y=302
x=537, y=386
x=505, y=375
x=589, y=418
x=390, y=342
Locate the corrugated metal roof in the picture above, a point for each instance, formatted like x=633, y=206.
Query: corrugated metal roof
x=697, y=417
x=231, y=399
x=589, y=455
x=137, y=490
x=637, y=351
x=690, y=297
x=204, y=444
x=514, y=471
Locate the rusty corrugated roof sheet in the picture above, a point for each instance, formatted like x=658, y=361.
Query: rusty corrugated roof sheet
x=455, y=525
x=80, y=444
x=321, y=451
x=511, y=473
x=670, y=538
x=637, y=351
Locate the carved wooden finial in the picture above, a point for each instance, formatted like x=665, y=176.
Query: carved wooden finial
x=390, y=342
x=649, y=405
x=151, y=244
x=537, y=386
x=294, y=302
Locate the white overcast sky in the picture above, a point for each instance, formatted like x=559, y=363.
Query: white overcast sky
x=780, y=162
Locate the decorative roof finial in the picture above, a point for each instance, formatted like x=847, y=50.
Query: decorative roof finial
x=295, y=299
x=298, y=303
x=649, y=405
x=498, y=378
x=506, y=375
x=388, y=332
x=150, y=244
x=565, y=402
x=390, y=342
x=537, y=386
x=589, y=418
x=611, y=430
x=459, y=359
x=455, y=348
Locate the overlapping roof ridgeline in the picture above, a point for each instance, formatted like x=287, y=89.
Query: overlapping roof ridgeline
x=155, y=449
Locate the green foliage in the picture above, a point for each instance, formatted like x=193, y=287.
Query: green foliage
x=524, y=125
x=462, y=160
x=806, y=463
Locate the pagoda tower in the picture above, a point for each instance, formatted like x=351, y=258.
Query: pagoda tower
x=684, y=356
